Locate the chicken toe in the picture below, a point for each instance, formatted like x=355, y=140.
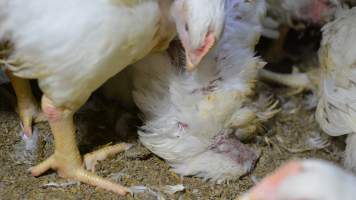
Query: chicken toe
x=73, y=169
x=66, y=159
x=92, y=158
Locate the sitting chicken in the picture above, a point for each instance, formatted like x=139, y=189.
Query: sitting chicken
x=336, y=109
x=193, y=120
x=71, y=47
x=306, y=179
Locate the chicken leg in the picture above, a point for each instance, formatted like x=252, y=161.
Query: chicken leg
x=91, y=159
x=27, y=106
x=293, y=80
x=66, y=159
x=276, y=53
x=350, y=153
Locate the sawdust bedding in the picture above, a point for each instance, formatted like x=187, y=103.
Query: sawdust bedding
x=293, y=133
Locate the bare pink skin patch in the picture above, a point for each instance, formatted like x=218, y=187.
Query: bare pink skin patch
x=241, y=154
x=318, y=8
x=194, y=58
x=267, y=188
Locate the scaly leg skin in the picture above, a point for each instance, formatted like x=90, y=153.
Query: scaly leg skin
x=66, y=159
x=276, y=52
x=27, y=106
x=91, y=159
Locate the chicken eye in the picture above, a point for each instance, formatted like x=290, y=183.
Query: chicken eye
x=186, y=27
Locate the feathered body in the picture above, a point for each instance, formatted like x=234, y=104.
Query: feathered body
x=310, y=11
x=297, y=14
x=191, y=118
x=306, y=179
x=336, y=111
x=73, y=46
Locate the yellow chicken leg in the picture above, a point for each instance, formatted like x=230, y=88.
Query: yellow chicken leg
x=92, y=158
x=27, y=106
x=276, y=53
x=66, y=159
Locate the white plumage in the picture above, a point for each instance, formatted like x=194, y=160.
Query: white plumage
x=309, y=11
x=73, y=46
x=191, y=118
x=306, y=179
x=295, y=13
x=336, y=109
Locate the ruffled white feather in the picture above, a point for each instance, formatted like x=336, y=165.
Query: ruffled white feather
x=336, y=111
x=73, y=46
x=190, y=117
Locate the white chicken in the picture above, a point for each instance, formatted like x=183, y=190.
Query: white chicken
x=305, y=179
x=193, y=120
x=71, y=47
x=310, y=11
x=288, y=12
x=284, y=15
x=336, y=109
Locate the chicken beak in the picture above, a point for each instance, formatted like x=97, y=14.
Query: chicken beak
x=191, y=62
x=193, y=58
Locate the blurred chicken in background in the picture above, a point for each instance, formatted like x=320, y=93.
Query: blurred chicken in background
x=305, y=179
x=336, y=111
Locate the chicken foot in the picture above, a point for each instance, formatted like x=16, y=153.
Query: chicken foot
x=66, y=159
x=92, y=158
x=27, y=106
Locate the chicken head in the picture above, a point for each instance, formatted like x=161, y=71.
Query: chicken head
x=199, y=24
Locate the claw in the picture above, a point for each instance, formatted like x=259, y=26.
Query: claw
x=91, y=159
x=66, y=159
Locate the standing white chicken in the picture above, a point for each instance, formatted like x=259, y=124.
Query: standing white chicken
x=192, y=119
x=198, y=41
x=336, y=109
x=306, y=179
x=71, y=47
